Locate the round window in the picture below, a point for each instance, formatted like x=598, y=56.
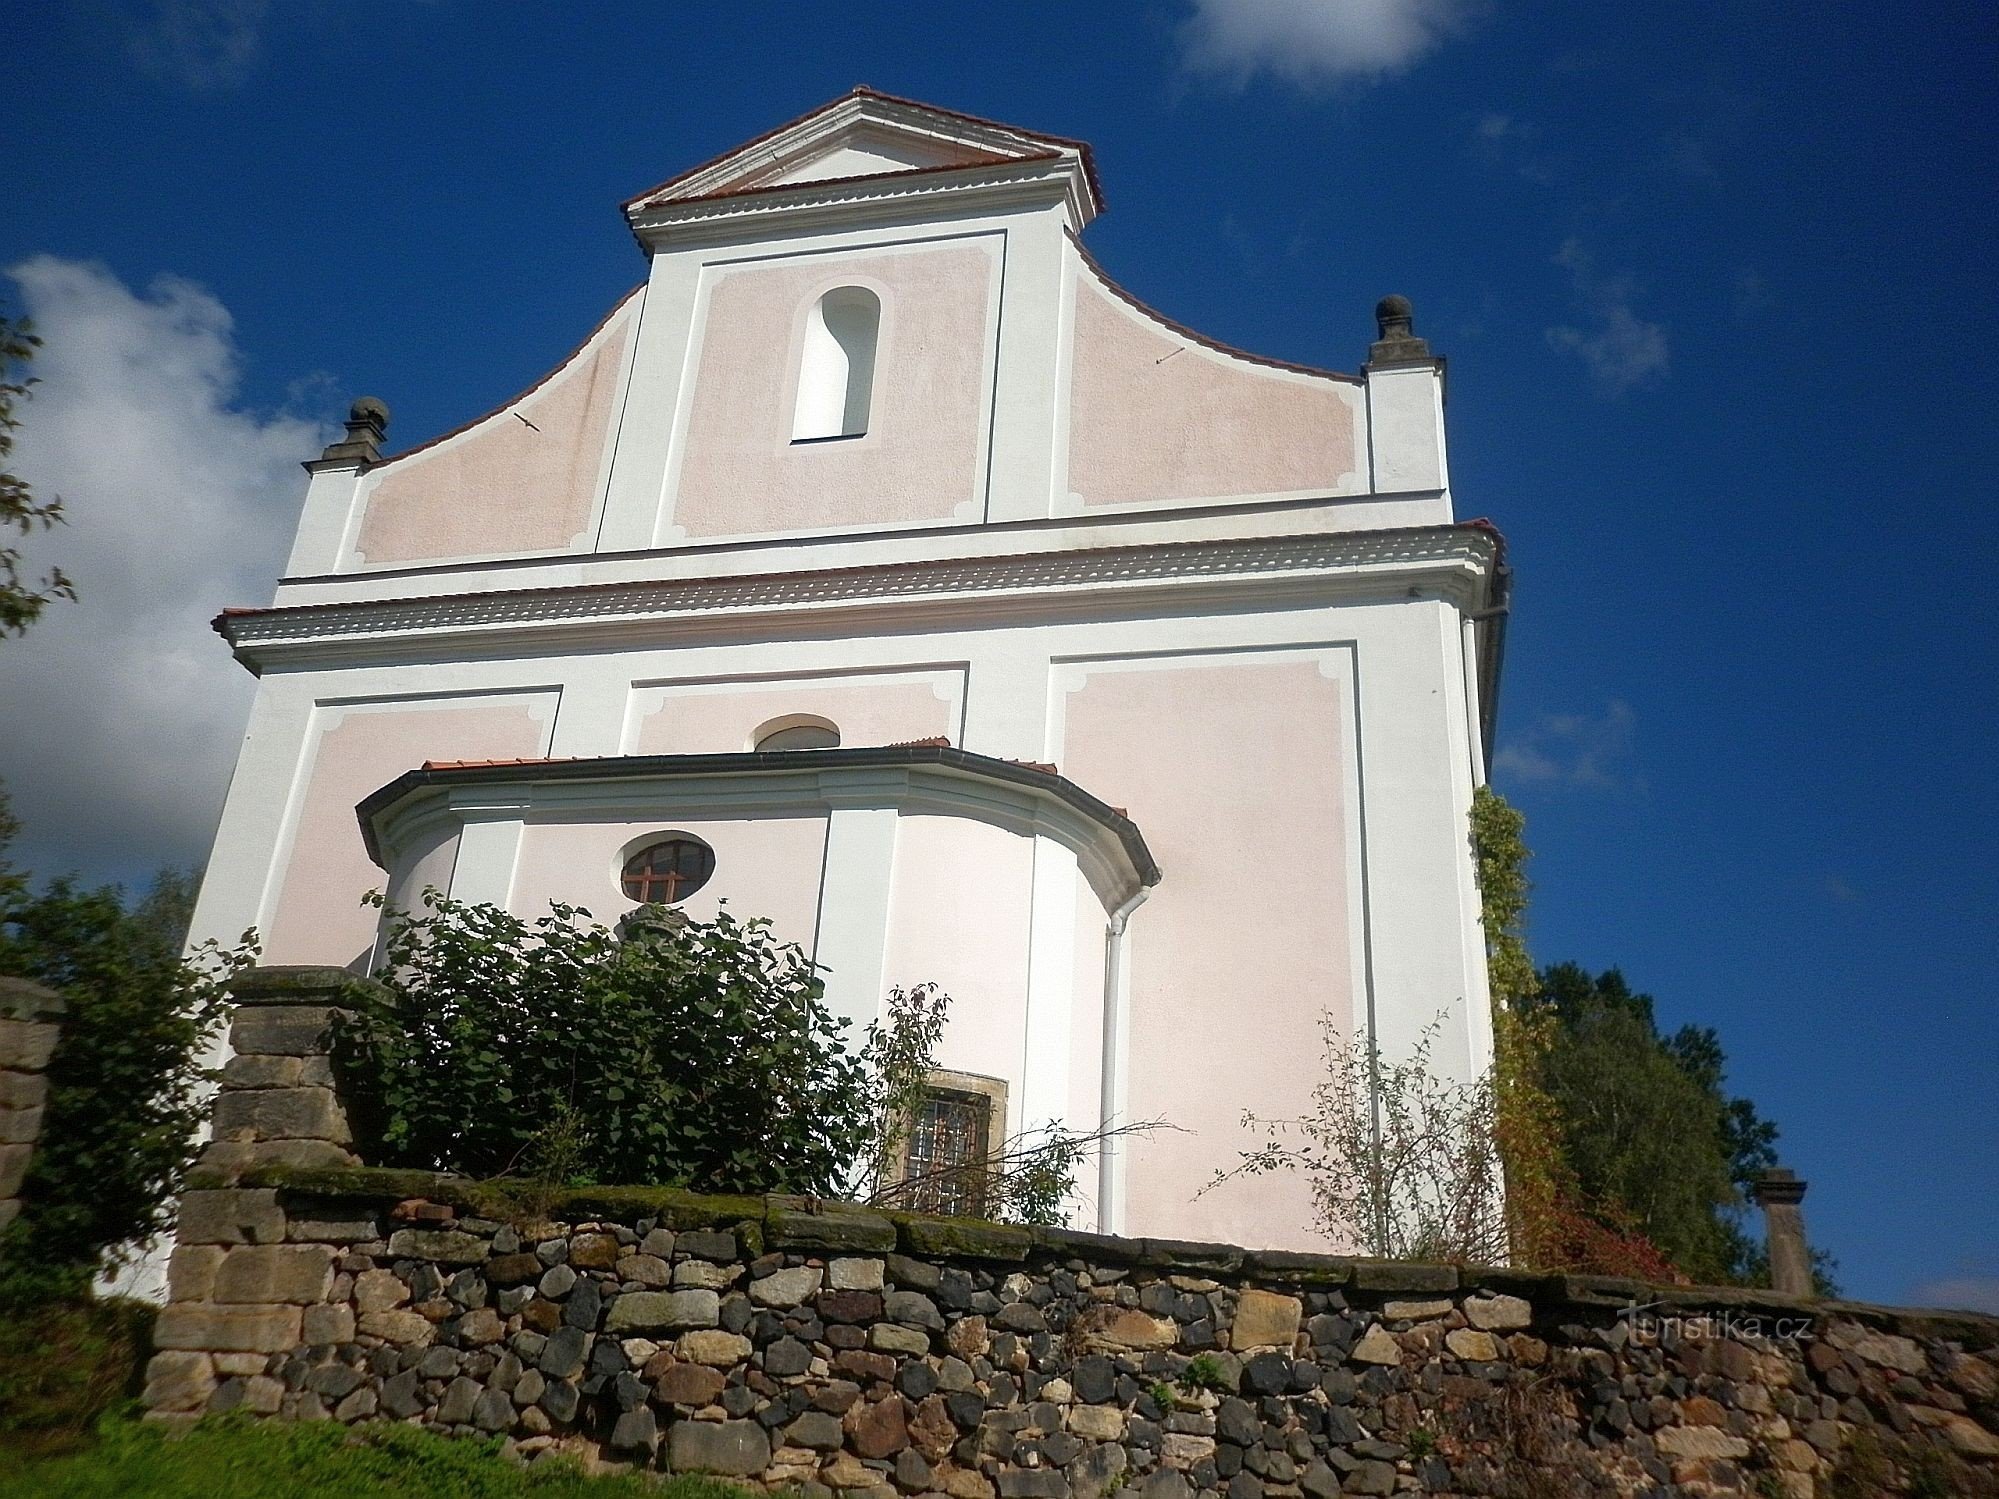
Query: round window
x=669, y=870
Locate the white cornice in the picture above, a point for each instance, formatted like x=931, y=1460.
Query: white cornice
x=999, y=187
x=1451, y=561
x=653, y=790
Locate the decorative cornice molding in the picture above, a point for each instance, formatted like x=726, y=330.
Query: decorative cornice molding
x=935, y=780
x=806, y=204
x=1459, y=558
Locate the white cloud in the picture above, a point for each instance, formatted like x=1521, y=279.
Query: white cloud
x=201, y=44
x=1574, y=749
x=1619, y=349
x=1314, y=41
x=1963, y=1293
x=123, y=710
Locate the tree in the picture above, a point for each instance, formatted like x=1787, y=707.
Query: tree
x=125, y=1083
x=1649, y=1131
x=21, y=601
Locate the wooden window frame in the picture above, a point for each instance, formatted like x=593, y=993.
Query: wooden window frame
x=991, y=1091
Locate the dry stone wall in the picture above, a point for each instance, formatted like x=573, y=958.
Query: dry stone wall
x=830, y=1349
x=805, y=1345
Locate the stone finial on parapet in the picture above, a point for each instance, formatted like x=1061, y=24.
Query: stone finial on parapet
x=277, y=1104
x=1396, y=341
x=367, y=425
x=1778, y=1192
x=30, y=1024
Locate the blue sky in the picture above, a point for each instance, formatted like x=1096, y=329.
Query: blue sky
x=1714, y=283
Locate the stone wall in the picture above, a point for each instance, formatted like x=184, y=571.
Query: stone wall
x=30, y=1023
x=790, y=1342
x=826, y=1347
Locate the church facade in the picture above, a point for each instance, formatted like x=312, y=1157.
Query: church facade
x=880, y=567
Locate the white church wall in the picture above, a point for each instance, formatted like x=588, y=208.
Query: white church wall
x=1333, y=775
x=764, y=866
x=723, y=715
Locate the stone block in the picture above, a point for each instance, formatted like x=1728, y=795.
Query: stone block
x=235, y=1215
x=403, y=1328
x=275, y=1272
x=1472, y=1345
x=242, y=1329
x=323, y=1325
x=1265, y=1320
x=20, y=1126
x=285, y=1031
x=793, y=1225
x=1122, y=1328
x=1097, y=1423
x=663, y=1311
x=262, y=1072
x=785, y=1288
x=888, y=1337
x=1395, y=1276
x=966, y=1238
x=27, y=1045
x=14, y=1161
x=443, y=1246
x=23, y=1090
x=713, y=1347
x=177, y=1381
x=735, y=1449
x=191, y=1271
x=281, y=1114
x=688, y=1384
x=1706, y=1442
x=1499, y=1313
x=1377, y=1347
x=856, y=1275
x=379, y=1290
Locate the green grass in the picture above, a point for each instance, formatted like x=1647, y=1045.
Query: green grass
x=232, y=1456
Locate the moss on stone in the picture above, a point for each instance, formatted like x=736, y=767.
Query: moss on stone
x=962, y=1238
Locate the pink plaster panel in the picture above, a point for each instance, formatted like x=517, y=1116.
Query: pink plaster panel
x=504, y=486
x=1153, y=418
x=764, y=866
x=1230, y=969
x=867, y=713
x=919, y=460
x=959, y=916
x=319, y=916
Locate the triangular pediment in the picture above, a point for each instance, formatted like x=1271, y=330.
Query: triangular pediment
x=862, y=135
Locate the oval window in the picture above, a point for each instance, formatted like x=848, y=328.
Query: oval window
x=806, y=734
x=669, y=870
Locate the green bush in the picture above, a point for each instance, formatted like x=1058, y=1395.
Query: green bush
x=124, y=1104
x=232, y=1458
x=700, y=1055
x=63, y=1364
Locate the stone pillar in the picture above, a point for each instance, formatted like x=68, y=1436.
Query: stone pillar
x=1778, y=1192
x=30, y=1021
x=238, y=1291
x=277, y=1104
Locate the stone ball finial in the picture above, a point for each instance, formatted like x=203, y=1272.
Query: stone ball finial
x=367, y=424
x=1396, y=341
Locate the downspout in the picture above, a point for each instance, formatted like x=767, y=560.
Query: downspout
x=1111, y=1071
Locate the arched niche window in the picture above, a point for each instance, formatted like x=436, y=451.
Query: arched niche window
x=668, y=869
x=799, y=731
x=836, y=372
